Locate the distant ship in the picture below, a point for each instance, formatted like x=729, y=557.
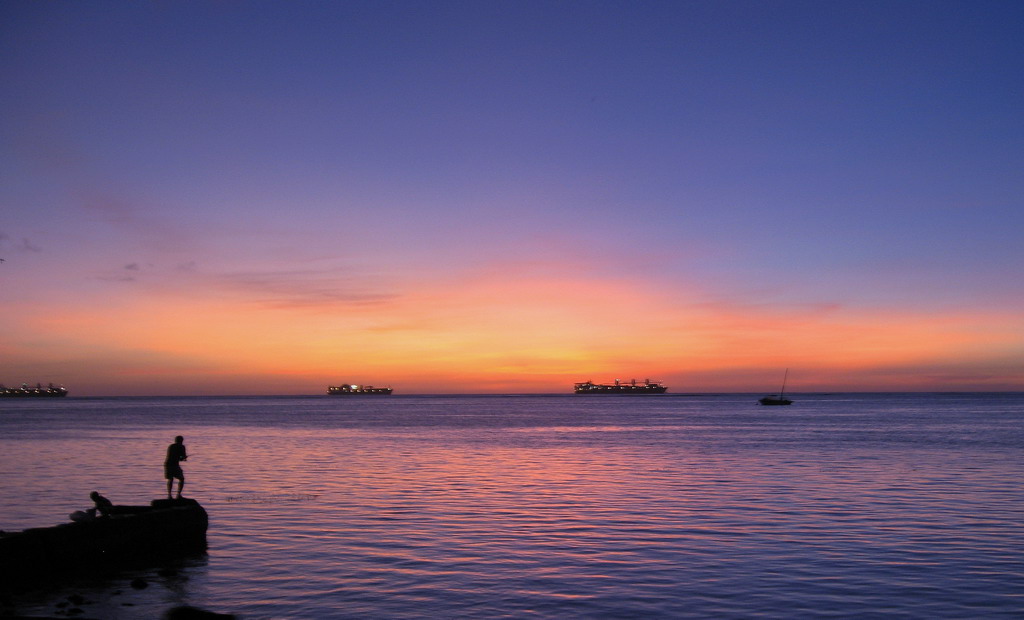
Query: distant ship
x=29, y=392
x=631, y=388
x=356, y=390
x=781, y=398
x=774, y=400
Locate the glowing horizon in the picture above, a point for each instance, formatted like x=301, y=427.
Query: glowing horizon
x=532, y=334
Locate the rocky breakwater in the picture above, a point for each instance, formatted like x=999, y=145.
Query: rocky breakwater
x=129, y=534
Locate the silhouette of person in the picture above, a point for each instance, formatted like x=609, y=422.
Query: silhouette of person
x=172, y=465
x=103, y=506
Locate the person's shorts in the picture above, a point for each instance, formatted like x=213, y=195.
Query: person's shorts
x=173, y=470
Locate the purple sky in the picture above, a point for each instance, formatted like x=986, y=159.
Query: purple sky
x=274, y=161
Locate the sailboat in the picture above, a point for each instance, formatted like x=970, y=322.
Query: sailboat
x=781, y=398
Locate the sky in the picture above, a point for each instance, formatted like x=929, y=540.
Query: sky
x=233, y=197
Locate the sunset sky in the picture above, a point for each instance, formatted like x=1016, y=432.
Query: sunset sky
x=508, y=197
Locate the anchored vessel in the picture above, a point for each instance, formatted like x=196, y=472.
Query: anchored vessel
x=781, y=398
x=38, y=390
x=356, y=390
x=631, y=388
x=129, y=534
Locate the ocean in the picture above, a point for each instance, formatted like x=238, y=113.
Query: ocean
x=560, y=506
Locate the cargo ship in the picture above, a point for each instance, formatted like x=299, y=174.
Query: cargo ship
x=356, y=390
x=38, y=391
x=631, y=388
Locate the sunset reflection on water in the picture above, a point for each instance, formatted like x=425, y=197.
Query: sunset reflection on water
x=481, y=507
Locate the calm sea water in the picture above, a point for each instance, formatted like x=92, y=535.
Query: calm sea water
x=706, y=506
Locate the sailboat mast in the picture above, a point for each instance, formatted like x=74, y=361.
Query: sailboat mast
x=782, y=394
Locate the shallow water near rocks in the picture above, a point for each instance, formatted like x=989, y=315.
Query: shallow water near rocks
x=896, y=505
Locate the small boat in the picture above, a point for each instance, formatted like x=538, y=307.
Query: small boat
x=632, y=388
x=130, y=533
x=781, y=398
x=25, y=391
x=356, y=390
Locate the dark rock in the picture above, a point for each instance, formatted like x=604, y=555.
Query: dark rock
x=132, y=533
x=76, y=599
x=139, y=583
x=186, y=612
x=167, y=572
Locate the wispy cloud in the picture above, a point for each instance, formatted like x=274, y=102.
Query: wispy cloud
x=117, y=278
x=27, y=246
x=24, y=244
x=305, y=289
x=128, y=273
x=138, y=217
x=52, y=149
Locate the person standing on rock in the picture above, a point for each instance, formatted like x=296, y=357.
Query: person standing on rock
x=172, y=465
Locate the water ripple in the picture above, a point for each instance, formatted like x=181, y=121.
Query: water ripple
x=699, y=507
